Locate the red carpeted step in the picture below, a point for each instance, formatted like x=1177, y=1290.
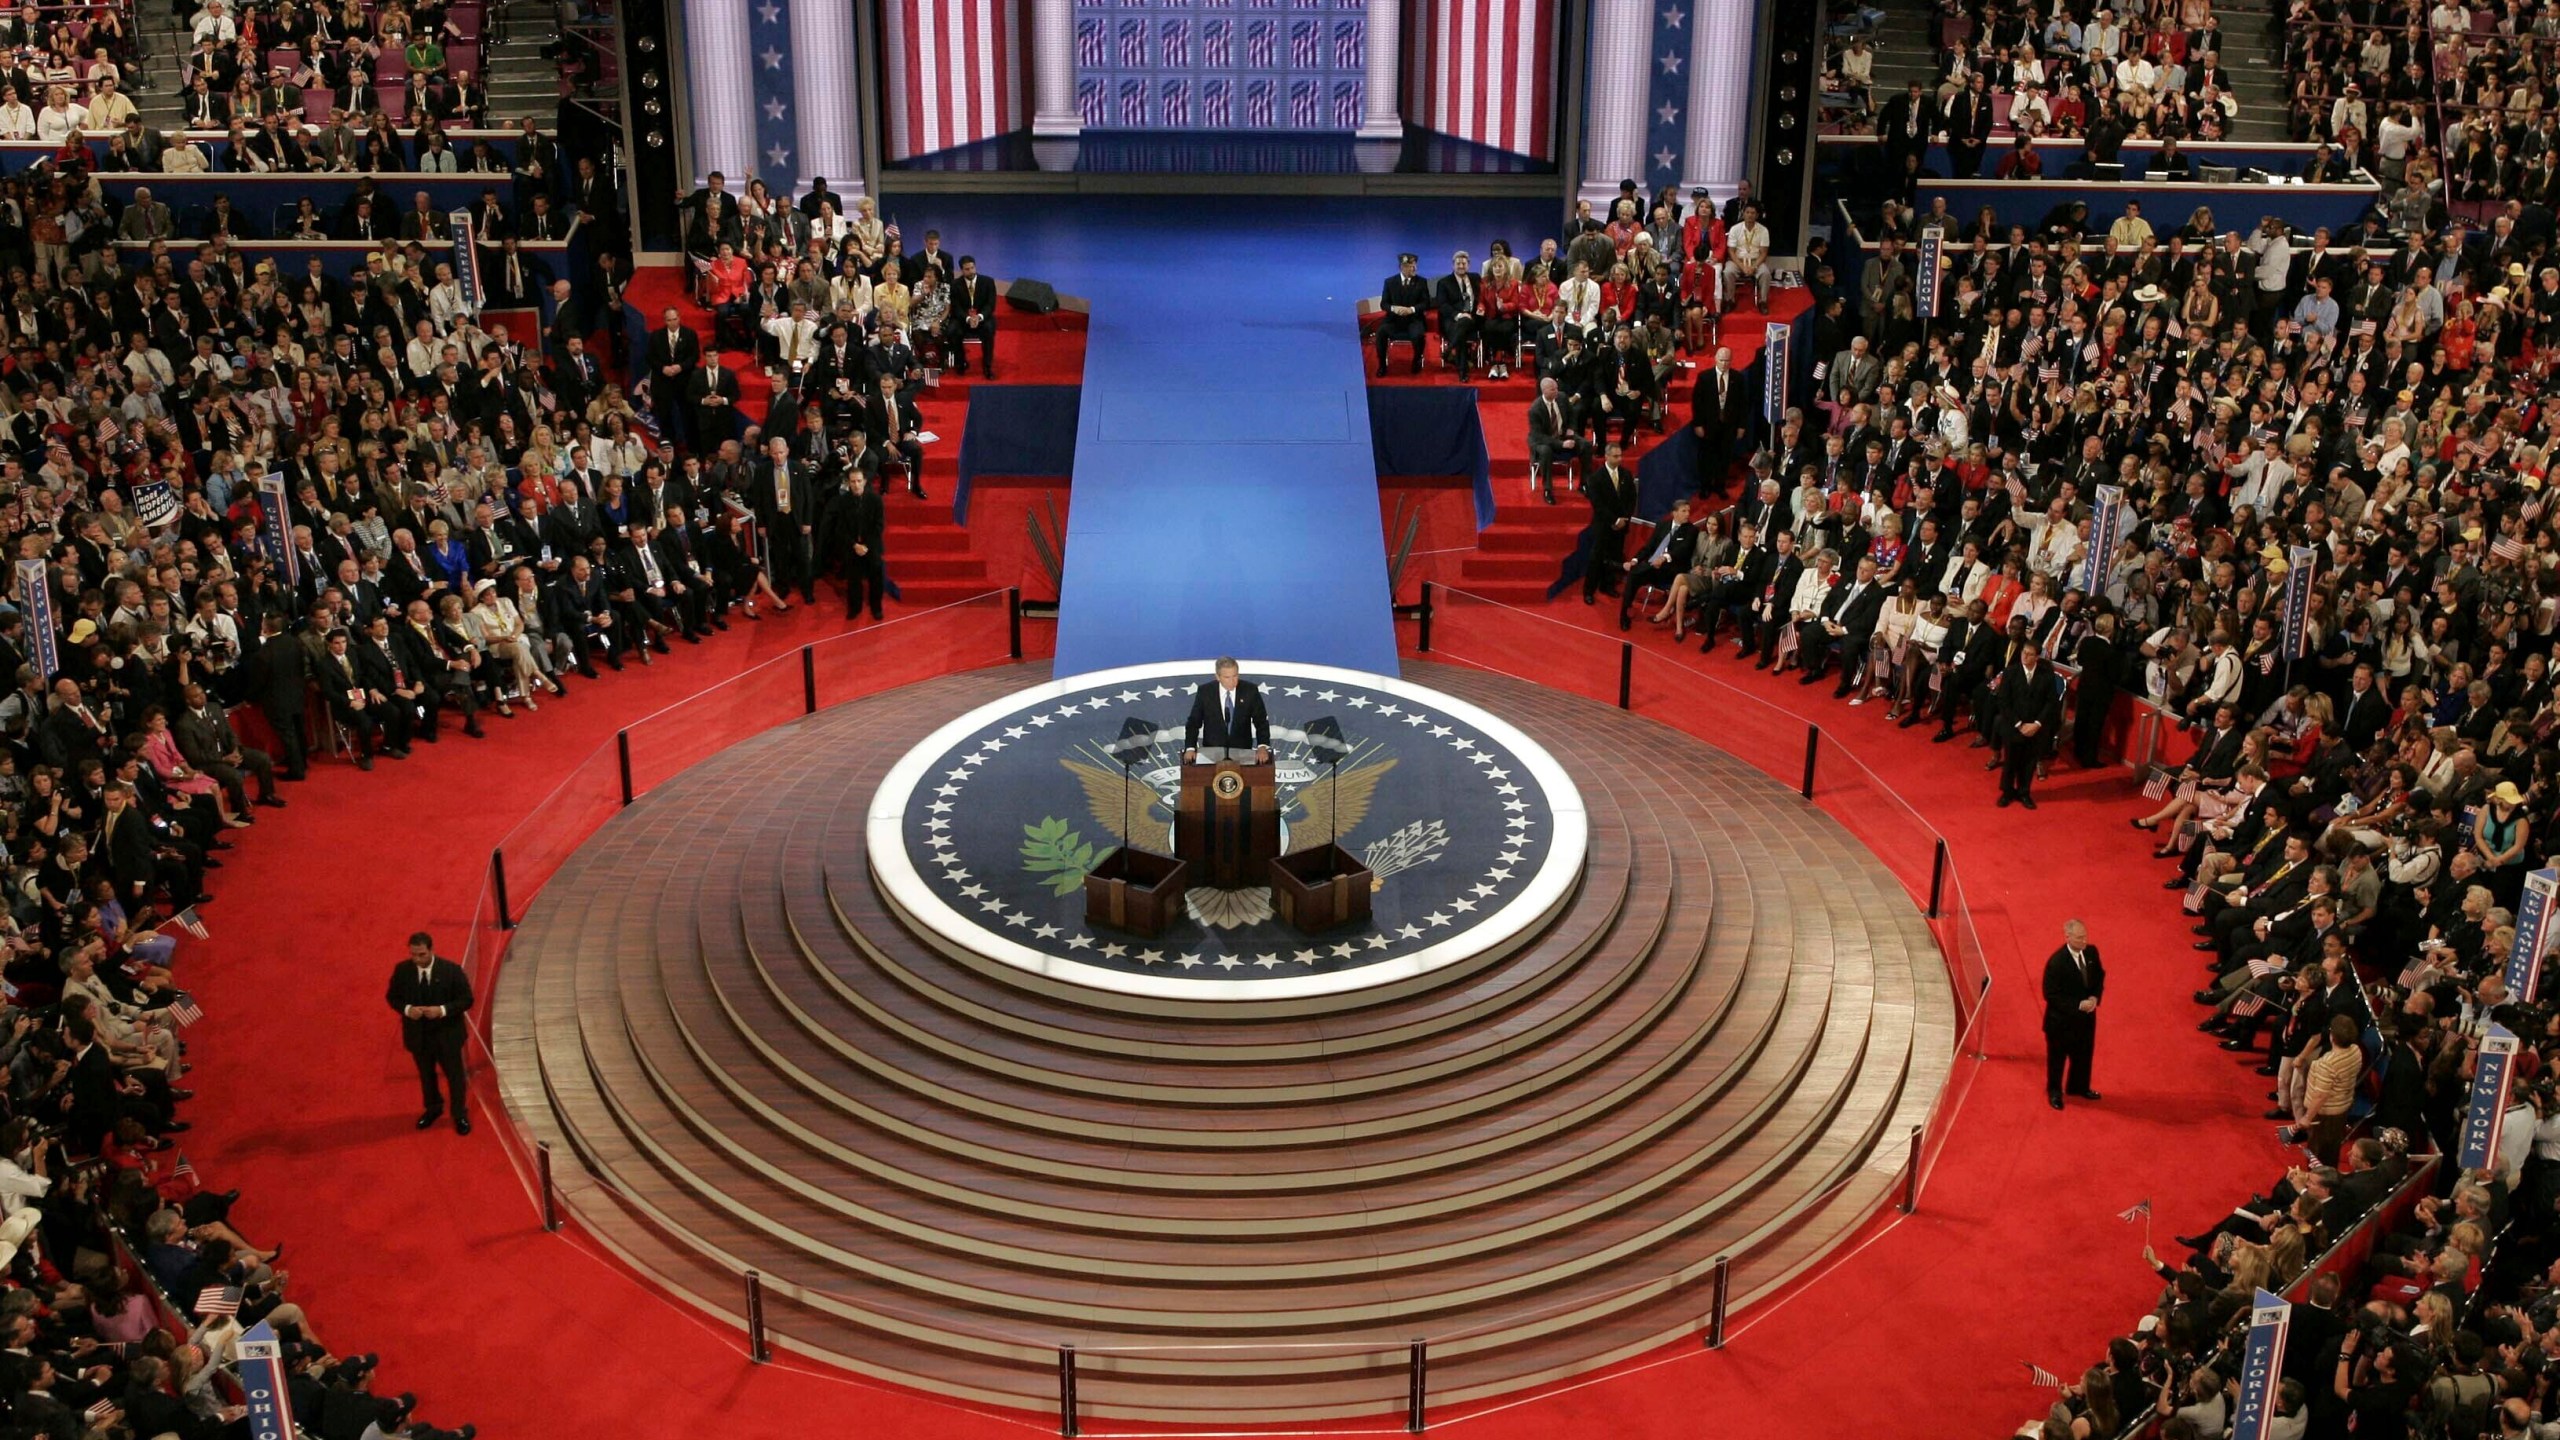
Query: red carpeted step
x=943, y=566
x=1504, y=541
x=1510, y=567
x=926, y=539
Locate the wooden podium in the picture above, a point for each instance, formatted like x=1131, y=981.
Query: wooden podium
x=1226, y=822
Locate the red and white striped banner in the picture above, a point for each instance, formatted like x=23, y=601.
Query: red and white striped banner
x=955, y=73
x=1483, y=71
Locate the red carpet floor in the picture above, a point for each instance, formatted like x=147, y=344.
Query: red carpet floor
x=426, y=1247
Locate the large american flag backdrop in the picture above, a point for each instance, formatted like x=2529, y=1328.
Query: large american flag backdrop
x=1483, y=71
x=955, y=72
x=1221, y=64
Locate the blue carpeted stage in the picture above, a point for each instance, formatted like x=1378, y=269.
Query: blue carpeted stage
x=1225, y=482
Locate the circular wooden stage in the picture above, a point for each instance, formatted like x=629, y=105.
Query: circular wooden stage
x=946, y=1167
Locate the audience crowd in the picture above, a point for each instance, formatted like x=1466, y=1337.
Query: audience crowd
x=2280, y=497
x=477, y=512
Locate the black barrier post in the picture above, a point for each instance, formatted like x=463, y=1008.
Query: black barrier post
x=1724, y=1289
x=1425, y=645
x=1812, y=753
x=1911, y=1177
x=1417, y=1385
x=550, y=1199
x=808, y=679
x=1626, y=674
x=1937, y=878
x=1066, y=1390
x=1013, y=620
x=757, y=1349
x=498, y=882
x=622, y=745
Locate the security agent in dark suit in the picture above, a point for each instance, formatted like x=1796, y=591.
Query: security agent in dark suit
x=1843, y=628
x=2074, y=982
x=857, y=524
x=2030, y=706
x=673, y=353
x=279, y=669
x=1611, y=489
x=711, y=403
x=1401, y=302
x=973, y=318
x=1719, y=409
x=784, y=495
x=1227, y=712
x=431, y=995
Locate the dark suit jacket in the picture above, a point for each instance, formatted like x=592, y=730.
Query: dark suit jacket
x=445, y=985
x=1725, y=416
x=1612, y=494
x=2064, y=989
x=2029, y=696
x=1857, y=618
x=1208, y=723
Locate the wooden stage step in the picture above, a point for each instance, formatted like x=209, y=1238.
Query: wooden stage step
x=1238, y=1212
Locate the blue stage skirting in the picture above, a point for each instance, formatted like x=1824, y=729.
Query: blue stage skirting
x=2166, y=206
x=1225, y=481
x=1016, y=430
x=2060, y=155
x=1415, y=430
x=269, y=200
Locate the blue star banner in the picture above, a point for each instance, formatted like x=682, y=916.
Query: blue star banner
x=1666, y=125
x=777, y=127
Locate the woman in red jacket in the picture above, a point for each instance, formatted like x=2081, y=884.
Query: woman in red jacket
x=725, y=285
x=1501, y=300
x=1618, y=296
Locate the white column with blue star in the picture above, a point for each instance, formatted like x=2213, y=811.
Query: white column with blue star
x=1725, y=34
x=1667, y=93
x=777, y=118
x=1613, y=147
x=719, y=88
x=825, y=89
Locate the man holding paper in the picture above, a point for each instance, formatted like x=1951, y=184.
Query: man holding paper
x=1227, y=713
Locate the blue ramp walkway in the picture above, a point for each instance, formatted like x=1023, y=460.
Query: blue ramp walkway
x=1225, y=491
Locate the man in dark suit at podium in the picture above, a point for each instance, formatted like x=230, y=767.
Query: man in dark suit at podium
x=1228, y=713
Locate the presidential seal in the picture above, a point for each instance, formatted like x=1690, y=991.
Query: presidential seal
x=982, y=835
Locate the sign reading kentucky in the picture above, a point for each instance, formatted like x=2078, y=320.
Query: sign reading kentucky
x=982, y=835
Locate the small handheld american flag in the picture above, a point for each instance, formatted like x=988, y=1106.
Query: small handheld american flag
x=100, y=1413
x=184, y=1012
x=2249, y=1004
x=186, y=1168
x=2038, y=1375
x=192, y=923
x=218, y=1300
x=2138, y=1210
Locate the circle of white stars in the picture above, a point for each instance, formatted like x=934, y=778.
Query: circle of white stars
x=1517, y=823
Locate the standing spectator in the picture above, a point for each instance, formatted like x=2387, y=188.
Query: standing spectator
x=431, y=996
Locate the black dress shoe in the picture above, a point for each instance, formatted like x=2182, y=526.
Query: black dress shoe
x=2027, y=800
x=429, y=1118
x=2207, y=997
x=272, y=802
x=461, y=1124
x=2268, y=1069
x=2279, y=1115
x=2173, y=883
x=2053, y=1099
x=2238, y=1042
x=2085, y=1095
x=2204, y=945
